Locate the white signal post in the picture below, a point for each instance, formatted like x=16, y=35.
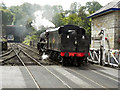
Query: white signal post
x=103, y=39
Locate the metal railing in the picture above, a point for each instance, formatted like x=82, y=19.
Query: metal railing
x=105, y=57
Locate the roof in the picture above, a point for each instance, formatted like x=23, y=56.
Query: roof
x=67, y=27
x=51, y=30
x=112, y=6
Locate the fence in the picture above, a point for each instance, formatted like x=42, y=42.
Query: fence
x=105, y=57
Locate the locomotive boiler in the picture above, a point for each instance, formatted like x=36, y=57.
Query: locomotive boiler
x=68, y=44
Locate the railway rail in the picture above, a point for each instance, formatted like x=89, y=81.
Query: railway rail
x=5, y=58
x=86, y=77
x=17, y=53
x=47, y=61
x=46, y=69
x=90, y=76
x=23, y=50
x=28, y=70
x=25, y=57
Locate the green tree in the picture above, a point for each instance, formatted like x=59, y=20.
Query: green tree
x=93, y=6
x=84, y=21
x=24, y=12
x=50, y=11
x=71, y=19
x=57, y=9
x=74, y=7
x=30, y=28
x=20, y=16
x=29, y=9
x=57, y=20
x=3, y=6
x=7, y=16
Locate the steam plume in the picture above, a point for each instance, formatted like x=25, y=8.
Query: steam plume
x=41, y=21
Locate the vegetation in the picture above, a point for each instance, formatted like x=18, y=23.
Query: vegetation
x=77, y=15
x=24, y=15
x=7, y=15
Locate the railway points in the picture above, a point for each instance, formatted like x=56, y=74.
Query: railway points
x=55, y=76
x=80, y=51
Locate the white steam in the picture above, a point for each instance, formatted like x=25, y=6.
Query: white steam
x=41, y=21
x=44, y=56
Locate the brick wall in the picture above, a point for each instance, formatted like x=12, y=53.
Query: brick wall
x=108, y=21
x=0, y=23
x=117, y=30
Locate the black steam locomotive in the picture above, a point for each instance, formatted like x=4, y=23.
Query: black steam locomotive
x=68, y=44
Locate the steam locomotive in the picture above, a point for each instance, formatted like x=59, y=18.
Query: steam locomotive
x=68, y=44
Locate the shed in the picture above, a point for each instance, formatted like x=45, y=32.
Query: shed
x=108, y=17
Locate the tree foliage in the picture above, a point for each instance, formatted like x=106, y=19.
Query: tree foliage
x=93, y=6
x=7, y=15
x=24, y=15
x=57, y=20
x=77, y=15
x=74, y=7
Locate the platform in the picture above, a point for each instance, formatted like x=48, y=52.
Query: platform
x=18, y=77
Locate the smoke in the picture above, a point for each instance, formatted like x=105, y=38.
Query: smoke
x=41, y=21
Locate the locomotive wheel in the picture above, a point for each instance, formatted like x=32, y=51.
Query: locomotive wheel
x=50, y=56
x=40, y=52
x=70, y=62
x=86, y=61
x=64, y=62
x=76, y=62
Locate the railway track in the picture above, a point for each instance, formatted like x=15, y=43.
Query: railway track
x=6, y=58
x=26, y=52
x=29, y=48
x=7, y=53
x=28, y=70
x=36, y=55
x=18, y=52
x=82, y=73
x=83, y=76
x=46, y=69
x=22, y=56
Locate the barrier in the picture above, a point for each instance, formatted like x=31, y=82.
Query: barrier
x=105, y=57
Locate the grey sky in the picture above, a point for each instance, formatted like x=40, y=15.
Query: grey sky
x=65, y=3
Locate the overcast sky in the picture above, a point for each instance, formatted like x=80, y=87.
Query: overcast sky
x=65, y=3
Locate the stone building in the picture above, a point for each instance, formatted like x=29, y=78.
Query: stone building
x=108, y=17
x=0, y=23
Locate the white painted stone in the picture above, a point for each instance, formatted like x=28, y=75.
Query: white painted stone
x=109, y=22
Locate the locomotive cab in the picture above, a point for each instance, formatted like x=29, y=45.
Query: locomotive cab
x=41, y=43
